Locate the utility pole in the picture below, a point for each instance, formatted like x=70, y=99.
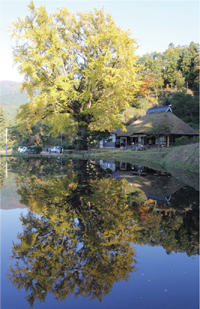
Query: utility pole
x=6, y=155
x=6, y=168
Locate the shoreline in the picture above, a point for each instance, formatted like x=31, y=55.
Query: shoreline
x=179, y=157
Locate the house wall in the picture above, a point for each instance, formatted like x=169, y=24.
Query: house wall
x=108, y=144
x=163, y=141
x=150, y=142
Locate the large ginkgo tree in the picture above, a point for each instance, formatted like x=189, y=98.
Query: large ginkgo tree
x=80, y=70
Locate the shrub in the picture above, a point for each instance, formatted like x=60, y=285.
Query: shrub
x=68, y=146
x=183, y=140
x=195, y=139
x=34, y=149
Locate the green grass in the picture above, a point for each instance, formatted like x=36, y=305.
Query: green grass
x=179, y=157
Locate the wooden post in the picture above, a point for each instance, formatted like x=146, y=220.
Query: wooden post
x=167, y=140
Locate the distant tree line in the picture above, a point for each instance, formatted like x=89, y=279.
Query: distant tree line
x=177, y=67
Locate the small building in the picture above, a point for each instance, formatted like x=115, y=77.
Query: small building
x=139, y=132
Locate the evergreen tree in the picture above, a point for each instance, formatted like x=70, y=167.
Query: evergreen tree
x=188, y=64
x=171, y=60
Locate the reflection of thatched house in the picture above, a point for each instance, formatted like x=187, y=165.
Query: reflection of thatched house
x=158, y=188
x=140, y=130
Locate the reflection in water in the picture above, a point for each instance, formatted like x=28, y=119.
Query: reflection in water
x=159, y=186
x=2, y=171
x=175, y=230
x=77, y=237
x=81, y=242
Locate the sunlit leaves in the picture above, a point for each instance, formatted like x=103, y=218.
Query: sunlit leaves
x=83, y=66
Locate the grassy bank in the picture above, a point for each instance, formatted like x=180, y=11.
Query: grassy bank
x=180, y=157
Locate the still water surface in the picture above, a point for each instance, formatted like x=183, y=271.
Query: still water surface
x=87, y=234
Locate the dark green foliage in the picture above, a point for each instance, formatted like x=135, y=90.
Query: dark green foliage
x=184, y=106
x=91, y=138
x=171, y=59
x=179, y=66
x=183, y=140
x=187, y=65
x=176, y=67
x=40, y=134
x=34, y=149
x=195, y=139
x=68, y=146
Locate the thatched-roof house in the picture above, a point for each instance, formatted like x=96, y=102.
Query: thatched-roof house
x=158, y=123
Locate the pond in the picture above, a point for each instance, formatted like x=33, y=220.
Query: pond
x=97, y=234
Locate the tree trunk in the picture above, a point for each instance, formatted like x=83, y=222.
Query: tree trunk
x=81, y=142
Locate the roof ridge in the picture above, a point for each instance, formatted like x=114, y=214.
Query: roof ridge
x=157, y=109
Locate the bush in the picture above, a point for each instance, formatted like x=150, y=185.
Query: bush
x=68, y=146
x=183, y=140
x=195, y=139
x=34, y=149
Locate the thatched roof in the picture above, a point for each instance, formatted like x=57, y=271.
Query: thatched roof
x=145, y=124
x=160, y=186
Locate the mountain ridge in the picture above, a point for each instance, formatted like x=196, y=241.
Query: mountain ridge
x=11, y=97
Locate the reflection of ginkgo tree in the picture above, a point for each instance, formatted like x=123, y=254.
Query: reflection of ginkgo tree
x=73, y=248
x=40, y=167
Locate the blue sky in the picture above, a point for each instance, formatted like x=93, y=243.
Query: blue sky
x=155, y=24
